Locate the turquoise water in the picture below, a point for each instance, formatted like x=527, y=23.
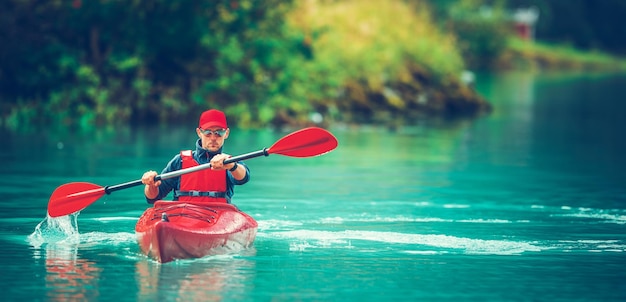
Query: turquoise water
x=527, y=203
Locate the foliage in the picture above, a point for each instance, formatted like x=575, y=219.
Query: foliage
x=582, y=24
x=521, y=54
x=372, y=52
x=482, y=30
x=377, y=38
x=111, y=61
x=89, y=63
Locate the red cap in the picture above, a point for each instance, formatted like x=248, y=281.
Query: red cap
x=212, y=118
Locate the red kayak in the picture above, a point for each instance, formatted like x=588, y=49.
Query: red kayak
x=180, y=230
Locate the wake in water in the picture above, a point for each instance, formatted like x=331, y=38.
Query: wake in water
x=313, y=234
x=441, y=243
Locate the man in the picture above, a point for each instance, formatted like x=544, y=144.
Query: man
x=211, y=185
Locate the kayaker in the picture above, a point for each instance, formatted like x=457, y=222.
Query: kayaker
x=212, y=185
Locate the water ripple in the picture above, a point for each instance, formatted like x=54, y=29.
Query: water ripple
x=321, y=239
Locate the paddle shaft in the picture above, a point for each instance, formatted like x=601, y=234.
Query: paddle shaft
x=168, y=175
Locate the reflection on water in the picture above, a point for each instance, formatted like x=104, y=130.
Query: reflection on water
x=213, y=278
x=68, y=277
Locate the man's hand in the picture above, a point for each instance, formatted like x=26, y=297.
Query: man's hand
x=152, y=188
x=217, y=162
x=148, y=179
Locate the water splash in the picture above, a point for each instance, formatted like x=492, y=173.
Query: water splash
x=53, y=230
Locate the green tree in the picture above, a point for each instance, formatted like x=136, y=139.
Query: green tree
x=94, y=62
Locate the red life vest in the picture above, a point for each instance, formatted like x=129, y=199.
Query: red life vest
x=204, y=185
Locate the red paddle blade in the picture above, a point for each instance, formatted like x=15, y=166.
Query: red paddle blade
x=307, y=142
x=73, y=197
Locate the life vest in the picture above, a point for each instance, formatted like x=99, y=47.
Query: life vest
x=204, y=185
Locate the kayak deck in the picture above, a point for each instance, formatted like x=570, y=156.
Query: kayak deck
x=181, y=230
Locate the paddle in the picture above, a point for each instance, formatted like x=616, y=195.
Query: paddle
x=73, y=197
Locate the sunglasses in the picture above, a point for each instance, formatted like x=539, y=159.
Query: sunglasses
x=208, y=132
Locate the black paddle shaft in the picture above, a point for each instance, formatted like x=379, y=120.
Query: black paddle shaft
x=130, y=184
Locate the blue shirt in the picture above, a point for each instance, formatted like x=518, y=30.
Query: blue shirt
x=202, y=156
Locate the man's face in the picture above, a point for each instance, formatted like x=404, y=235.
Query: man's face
x=212, y=139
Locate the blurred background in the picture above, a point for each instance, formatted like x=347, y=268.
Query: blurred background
x=75, y=65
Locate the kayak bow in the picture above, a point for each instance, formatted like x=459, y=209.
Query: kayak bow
x=180, y=230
